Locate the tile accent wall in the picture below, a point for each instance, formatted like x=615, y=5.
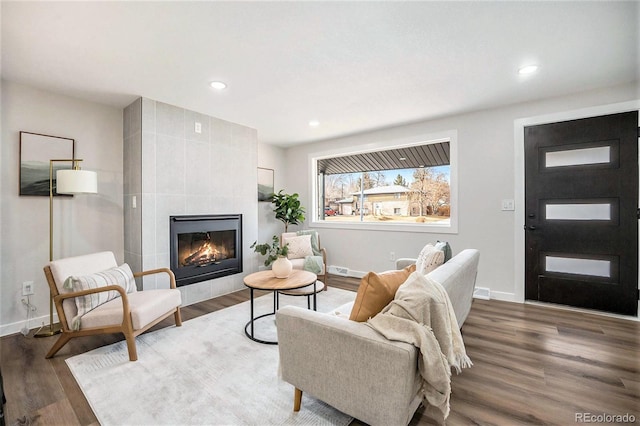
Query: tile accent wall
x=172, y=170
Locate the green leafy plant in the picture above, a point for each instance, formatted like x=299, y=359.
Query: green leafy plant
x=288, y=209
x=272, y=251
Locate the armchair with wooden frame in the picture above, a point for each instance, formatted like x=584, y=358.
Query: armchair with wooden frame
x=130, y=314
x=299, y=262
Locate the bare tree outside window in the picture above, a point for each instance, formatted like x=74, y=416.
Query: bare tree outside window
x=414, y=195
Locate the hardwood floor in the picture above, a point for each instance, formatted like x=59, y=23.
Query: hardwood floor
x=532, y=365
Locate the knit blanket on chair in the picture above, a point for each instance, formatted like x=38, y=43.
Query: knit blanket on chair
x=313, y=264
x=421, y=314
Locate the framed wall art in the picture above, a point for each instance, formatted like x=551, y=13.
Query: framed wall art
x=265, y=184
x=35, y=152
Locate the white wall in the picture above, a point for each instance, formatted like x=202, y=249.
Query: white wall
x=486, y=176
x=271, y=157
x=84, y=223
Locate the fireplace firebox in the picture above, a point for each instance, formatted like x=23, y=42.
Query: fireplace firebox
x=205, y=247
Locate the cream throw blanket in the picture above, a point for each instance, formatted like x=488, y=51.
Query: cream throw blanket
x=421, y=314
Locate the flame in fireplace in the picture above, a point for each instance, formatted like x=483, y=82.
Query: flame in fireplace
x=205, y=253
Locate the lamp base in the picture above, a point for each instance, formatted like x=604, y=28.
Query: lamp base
x=49, y=330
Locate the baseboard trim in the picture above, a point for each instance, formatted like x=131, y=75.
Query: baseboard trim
x=503, y=296
x=343, y=271
x=15, y=327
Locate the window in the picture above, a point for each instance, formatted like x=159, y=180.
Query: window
x=408, y=186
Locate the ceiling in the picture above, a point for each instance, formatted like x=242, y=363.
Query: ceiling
x=353, y=66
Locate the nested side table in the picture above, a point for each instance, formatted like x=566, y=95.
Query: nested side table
x=265, y=280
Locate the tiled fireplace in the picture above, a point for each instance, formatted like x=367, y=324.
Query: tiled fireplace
x=178, y=163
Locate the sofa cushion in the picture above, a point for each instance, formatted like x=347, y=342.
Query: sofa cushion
x=376, y=291
x=299, y=247
x=121, y=276
x=429, y=259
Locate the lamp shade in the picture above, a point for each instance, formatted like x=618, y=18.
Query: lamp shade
x=76, y=182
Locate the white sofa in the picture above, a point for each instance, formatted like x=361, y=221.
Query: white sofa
x=350, y=366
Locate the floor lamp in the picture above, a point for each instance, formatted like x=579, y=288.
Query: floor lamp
x=70, y=181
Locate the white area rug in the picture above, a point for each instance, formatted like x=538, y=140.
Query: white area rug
x=206, y=372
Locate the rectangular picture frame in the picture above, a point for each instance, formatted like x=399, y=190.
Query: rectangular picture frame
x=36, y=151
x=265, y=184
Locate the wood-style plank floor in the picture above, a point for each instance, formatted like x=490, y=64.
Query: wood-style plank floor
x=532, y=365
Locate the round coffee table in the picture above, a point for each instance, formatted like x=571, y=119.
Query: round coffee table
x=265, y=280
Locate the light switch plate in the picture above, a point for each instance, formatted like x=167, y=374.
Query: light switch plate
x=508, y=205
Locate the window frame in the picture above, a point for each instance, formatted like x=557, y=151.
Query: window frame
x=450, y=136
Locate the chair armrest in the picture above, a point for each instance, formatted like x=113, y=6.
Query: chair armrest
x=69, y=295
x=344, y=363
x=126, y=313
x=324, y=256
x=403, y=262
x=172, y=277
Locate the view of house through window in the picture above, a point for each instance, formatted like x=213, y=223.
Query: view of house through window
x=374, y=187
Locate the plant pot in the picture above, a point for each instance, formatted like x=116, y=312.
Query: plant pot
x=282, y=267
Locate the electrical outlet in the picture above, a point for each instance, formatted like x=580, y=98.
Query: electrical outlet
x=392, y=256
x=198, y=127
x=27, y=288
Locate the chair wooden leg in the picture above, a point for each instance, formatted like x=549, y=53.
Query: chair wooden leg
x=131, y=346
x=62, y=340
x=297, y=399
x=177, y=317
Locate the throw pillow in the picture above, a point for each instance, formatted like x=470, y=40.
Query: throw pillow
x=429, y=259
x=376, y=291
x=315, y=244
x=299, y=247
x=120, y=275
x=446, y=249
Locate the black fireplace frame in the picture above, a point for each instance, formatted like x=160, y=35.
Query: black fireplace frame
x=194, y=223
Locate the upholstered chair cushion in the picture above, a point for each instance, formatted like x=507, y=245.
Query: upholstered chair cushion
x=299, y=246
x=429, y=259
x=376, y=291
x=145, y=306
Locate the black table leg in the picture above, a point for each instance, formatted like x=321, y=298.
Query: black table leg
x=315, y=292
x=251, y=291
x=249, y=325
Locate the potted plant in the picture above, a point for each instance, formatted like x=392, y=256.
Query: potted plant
x=276, y=257
x=288, y=209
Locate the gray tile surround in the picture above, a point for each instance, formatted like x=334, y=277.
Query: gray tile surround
x=172, y=170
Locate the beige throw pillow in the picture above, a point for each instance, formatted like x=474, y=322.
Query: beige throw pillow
x=429, y=259
x=120, y=275
x=299, y=247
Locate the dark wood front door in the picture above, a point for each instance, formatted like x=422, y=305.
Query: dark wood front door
x=581, y=207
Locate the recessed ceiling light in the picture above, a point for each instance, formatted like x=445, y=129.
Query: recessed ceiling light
x=314, y=123
x=402, y=158
x=218, y=85
x=529, y=69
